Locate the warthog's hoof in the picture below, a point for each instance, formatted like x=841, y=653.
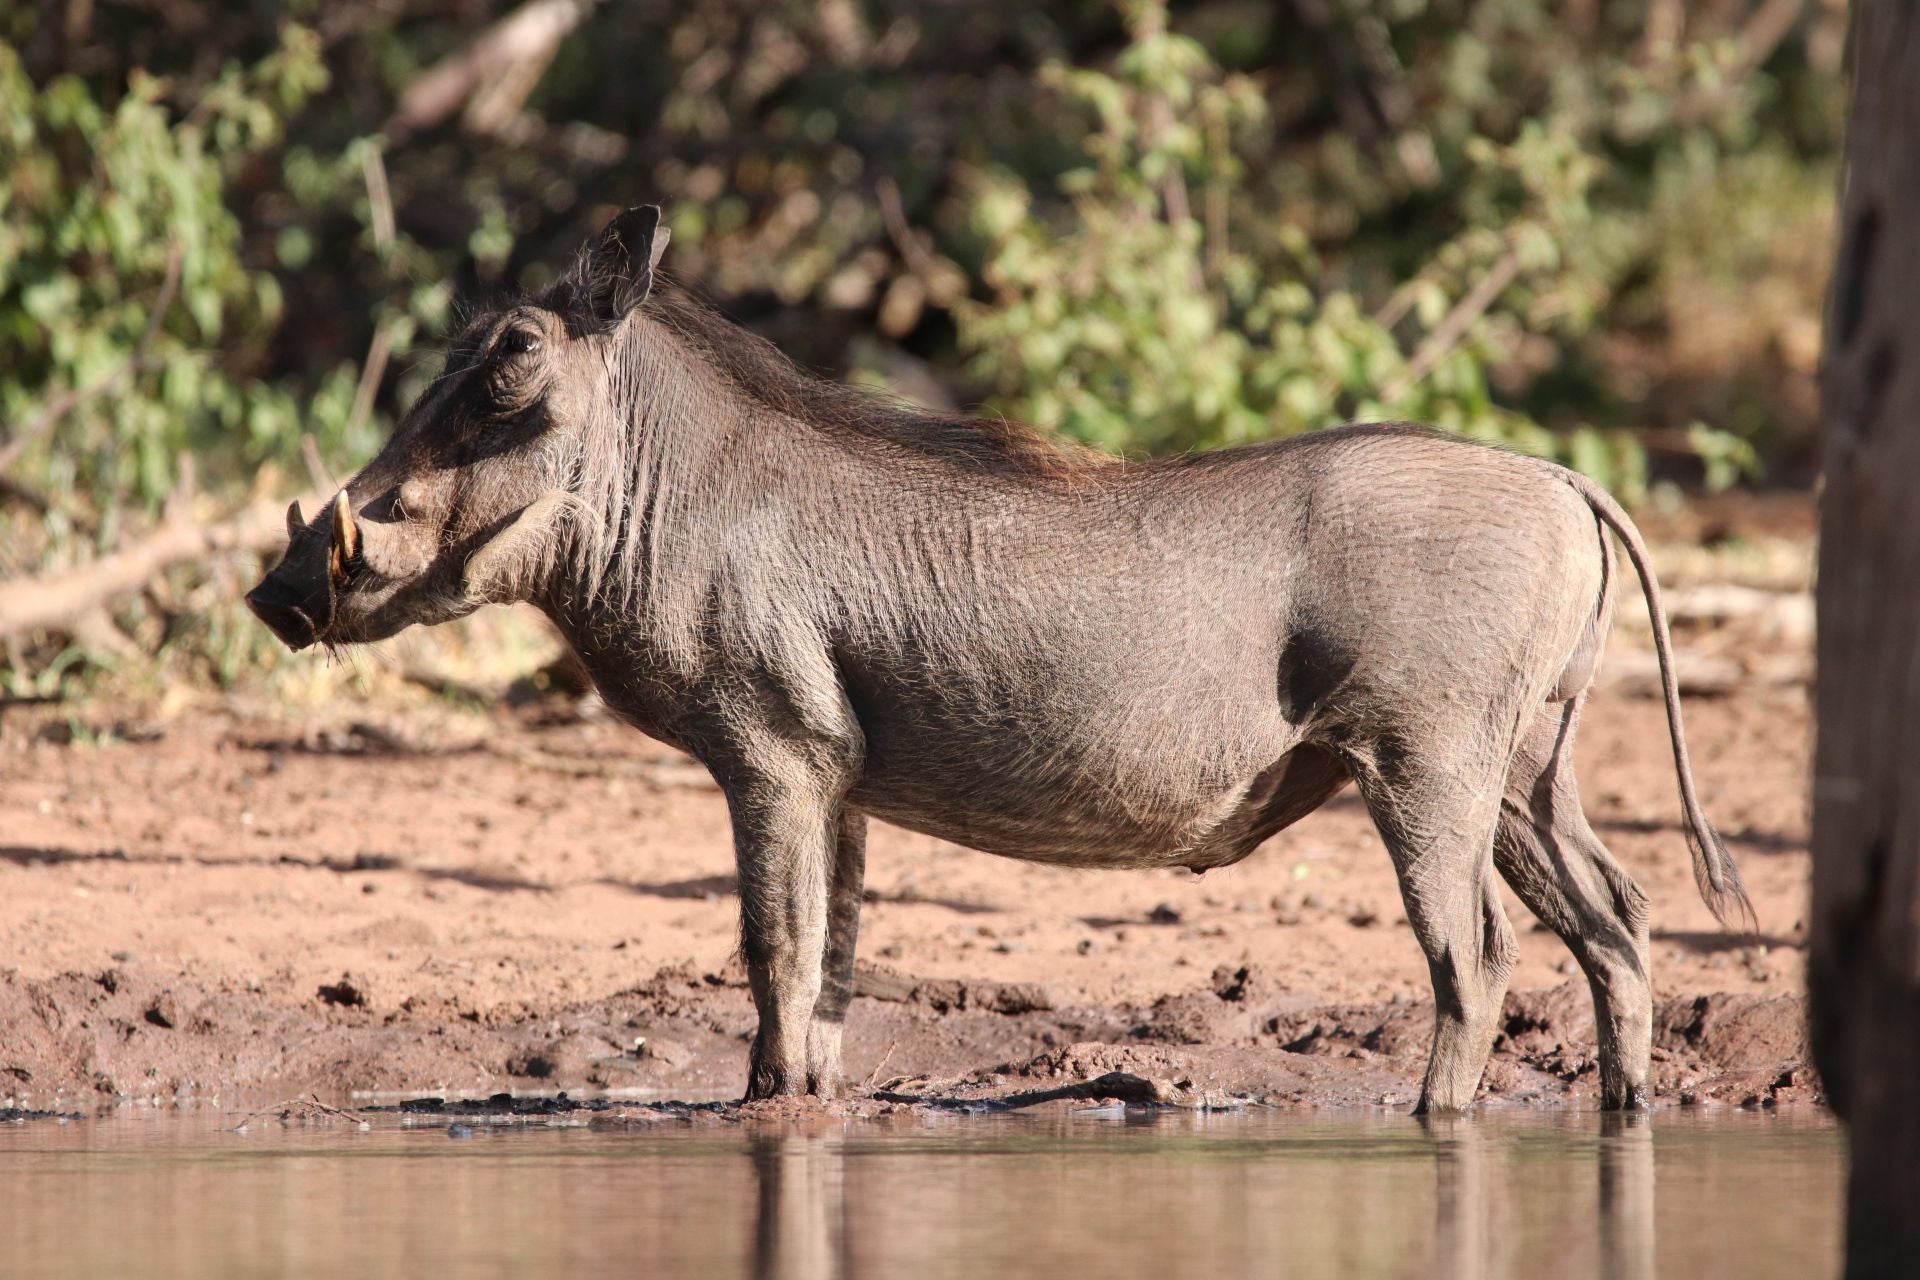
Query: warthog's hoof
x=1634, y=1097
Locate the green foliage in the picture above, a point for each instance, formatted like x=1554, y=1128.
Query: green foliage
x=1166, y=306
x=1597, y=230
x=112, y=213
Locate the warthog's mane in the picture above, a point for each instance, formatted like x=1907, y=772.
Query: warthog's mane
x=763, y=373
x=673, y=443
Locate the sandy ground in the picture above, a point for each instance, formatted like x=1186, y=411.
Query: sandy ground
x=240, y=905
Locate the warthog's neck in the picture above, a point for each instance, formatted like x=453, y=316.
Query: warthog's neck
x=767, y=532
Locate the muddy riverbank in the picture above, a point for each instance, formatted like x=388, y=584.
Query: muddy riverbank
x=540, y=900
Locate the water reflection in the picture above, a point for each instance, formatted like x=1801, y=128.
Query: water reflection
x=1461, y=1203
x=1626, y=1196
x=801, y=1228
x=931, y=1196
x=1480, y=1184
x=1597, y=1182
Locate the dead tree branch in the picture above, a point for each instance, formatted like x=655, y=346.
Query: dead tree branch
x=493, y=75
x=56, y=600
x=1454, y=325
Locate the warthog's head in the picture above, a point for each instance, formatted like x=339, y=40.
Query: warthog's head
x=470, y=501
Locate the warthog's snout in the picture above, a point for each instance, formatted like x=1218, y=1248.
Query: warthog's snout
x=280, y=607
x=295, y=599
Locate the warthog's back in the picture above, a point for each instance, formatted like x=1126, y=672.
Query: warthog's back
x=1115, y=674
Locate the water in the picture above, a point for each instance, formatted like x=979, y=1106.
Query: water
x=1563, y=1195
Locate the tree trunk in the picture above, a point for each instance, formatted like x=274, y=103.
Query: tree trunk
x=1864, y=970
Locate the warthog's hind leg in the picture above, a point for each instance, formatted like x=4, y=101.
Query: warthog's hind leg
x=1560, y=870
x=1437, y=818
x=843, y=933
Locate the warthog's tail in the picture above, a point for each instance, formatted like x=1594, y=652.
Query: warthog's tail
x=1713, y=869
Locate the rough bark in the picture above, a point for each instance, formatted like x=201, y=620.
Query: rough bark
x=1864, y=971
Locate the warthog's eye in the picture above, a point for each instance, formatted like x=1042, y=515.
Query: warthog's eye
x=518, y=341
x=512, y=372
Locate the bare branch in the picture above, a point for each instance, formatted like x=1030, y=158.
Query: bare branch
x=317, y=471
x=527, y=36
x=373, y=169
x=371, y=371
x=893, y=213
x=1454, y=326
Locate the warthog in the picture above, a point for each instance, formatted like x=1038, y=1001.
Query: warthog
x=846, y=608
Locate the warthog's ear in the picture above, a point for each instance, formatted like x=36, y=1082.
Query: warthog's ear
x=613, y=273
x=510, y=564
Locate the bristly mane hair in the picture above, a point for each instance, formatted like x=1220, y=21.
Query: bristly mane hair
x=643, y=463
x=763, y=372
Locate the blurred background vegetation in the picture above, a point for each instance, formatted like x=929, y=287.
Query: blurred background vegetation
x=234, y=236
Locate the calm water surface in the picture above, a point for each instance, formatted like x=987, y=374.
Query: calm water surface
x=1680, y=1194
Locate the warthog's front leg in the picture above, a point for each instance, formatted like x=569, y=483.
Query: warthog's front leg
x=784, y=843
x=843, y=934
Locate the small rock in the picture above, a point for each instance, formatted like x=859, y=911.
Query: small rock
x=458, y=1131
x=1087, y=946
x=668, y=1053
x=164, y=1012
x=1232, y=984
x=1163, y=914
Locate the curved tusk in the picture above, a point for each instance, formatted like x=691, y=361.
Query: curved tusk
x=346, y=536
x=344, y=529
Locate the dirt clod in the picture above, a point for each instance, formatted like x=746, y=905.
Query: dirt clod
x=164, y=1011
x=349, y=992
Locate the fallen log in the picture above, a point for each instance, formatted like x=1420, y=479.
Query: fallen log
x=57, y=600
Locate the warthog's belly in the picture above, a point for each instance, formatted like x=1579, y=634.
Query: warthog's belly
x=1117, y=826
